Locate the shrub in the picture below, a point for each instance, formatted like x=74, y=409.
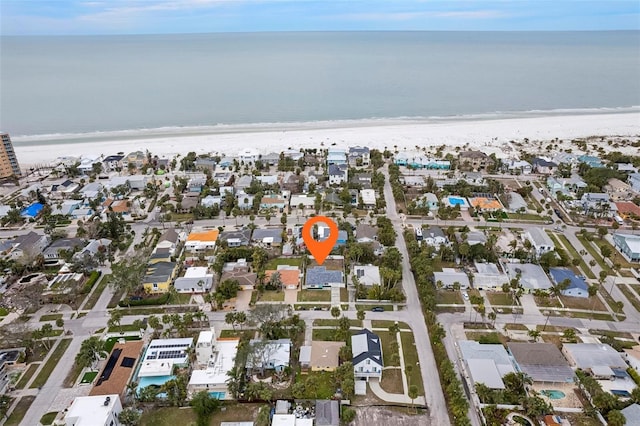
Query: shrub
x=160, y=300
x=93, y=277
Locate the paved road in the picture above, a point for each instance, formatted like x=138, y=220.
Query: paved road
x=431, y=380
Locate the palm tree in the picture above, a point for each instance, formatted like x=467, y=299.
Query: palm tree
x=360, y=314
x=534, y=334
x=413, y=393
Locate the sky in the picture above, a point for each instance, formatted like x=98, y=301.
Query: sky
x=85, y=17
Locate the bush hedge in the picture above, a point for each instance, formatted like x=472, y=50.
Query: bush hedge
x=160, y=300
x=93, y=277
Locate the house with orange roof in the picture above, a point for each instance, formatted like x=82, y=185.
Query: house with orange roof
x=202, y=241
x=485, y=204
x=627, y=209
x=289, y=276
x=117, y=206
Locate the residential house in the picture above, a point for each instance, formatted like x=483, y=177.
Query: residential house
x=542, y=362
x=100, y=410
x=244, y=201
x=367, y=355
x=337, y=156
x=271, y=202
x=628, y=210
x=631, y=414
x=618, y=190
x=215, y=357
x=597, y=204
x=293, y=183
x=270, y=159
x=267, y=179
x=271, y=355
x=472, y=238
x=139, y=182
x=239, y=271
x=205, y=163
x=325, y=355
x=565, y=186
x=367, y=275
x=202, y=241
x=121, y=207
x=489, y=277
x=159, y=275
x=474, y=178
x=540, y=241
x=626, y=167
x=91, y=190
x=196, y=183
x=160, y=359
x=434, y=236
x=628, y=245
x=532, y=277
x=428, y=200
x=519, y=167
x=544, y=166
x=196, y=279
x=294, y=154
x=597, y=358
x=337, y=174
x=487, y=364
x=63, y=188
x=485, y=204
x=238, y=238
x=634, y=181
x=30, y=244
x=223, y=178
x=169, y=239
x=119, y=369
x=271, y=237
x=368, y=197
x=248, y=156
x=590, y=161
x=327, y=412
x=66, y=208
x=93, y=247
x=54, y=251
x=361, y=179
x=515, y=202
x=137, y=158
x=113, y=163
x=475, y=160
x=289, y=276
x=211, y=201
x=632, y=356
x=450, y=278
x=359, y=156
x=577, y=287
x=319, y=277
x=306, y=201
x=324, y=232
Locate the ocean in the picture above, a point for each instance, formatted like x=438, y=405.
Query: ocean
x=88, y=84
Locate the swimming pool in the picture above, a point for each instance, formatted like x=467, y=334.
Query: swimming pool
x=455, y=201
x=553, y=394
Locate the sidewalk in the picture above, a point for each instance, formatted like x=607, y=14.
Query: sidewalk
x=398, y=398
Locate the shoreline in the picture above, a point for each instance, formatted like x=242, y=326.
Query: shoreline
x=484, y=133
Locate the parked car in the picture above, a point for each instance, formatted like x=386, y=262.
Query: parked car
x=377, y=309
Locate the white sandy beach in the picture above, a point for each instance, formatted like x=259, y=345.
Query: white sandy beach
x=486, y=135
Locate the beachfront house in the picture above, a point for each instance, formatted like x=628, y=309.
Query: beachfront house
x=474, y=160
x=359, y=156
x=337, y=174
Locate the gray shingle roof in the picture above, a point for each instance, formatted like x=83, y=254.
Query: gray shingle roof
x=319, y=275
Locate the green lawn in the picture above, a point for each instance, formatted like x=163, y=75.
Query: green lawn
x=88, y=377
x=293, y=261
x=367, y=308
x=27, y=375
x=616, y=257
x=587, y=315
x=4, y=312
x=631, y=296
x=324, y=334
x=326, y=386
x=48, y=418
x=386, y=324
x=123, y=328
x=527, y=216
x=51, y=363
x=97, y=292
x=411, y=358
x=592, y=251
x=172, y=416
x=572, y=250
x=448, y=297
x=515, y=326
x=335, y=322
x=50, y=317
x=314, y=296
x=179, y=299
x=21, y=409
x=585, y=303
x=499, y=298
x=385, y=339
x=111, y=341
x=271, y=296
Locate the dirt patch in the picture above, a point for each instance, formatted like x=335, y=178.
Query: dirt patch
x=367, y=416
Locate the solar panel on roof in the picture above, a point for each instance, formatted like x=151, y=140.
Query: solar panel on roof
x=128, y=362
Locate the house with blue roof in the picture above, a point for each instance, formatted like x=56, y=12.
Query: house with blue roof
x=591, y=161
x=319, y=277
x=578, y=287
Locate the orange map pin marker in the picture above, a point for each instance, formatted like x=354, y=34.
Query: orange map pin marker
x=320, y=249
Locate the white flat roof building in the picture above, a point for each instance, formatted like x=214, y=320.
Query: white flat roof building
x=99, y=410
x=162, y=355
x=368, y=197
x=367, y=275
x=222, y=359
